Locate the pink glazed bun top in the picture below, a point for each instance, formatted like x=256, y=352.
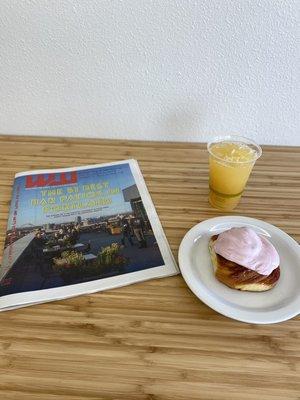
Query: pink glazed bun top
x=245, y=247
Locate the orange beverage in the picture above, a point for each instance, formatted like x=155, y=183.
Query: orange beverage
x=231, y=160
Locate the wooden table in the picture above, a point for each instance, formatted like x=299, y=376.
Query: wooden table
x=152, y=340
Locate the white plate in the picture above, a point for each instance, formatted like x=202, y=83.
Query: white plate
x=276, y=305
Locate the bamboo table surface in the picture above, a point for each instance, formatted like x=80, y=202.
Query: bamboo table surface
x=152, y=340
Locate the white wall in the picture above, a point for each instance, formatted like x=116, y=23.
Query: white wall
x=141, y=69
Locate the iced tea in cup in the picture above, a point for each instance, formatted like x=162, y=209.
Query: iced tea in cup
x=231, y=159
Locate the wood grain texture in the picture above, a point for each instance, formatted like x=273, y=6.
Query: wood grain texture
x=152, y=340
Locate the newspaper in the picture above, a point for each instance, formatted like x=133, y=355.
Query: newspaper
x=80, y=230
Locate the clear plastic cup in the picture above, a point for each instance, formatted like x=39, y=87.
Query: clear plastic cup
x=231, y=159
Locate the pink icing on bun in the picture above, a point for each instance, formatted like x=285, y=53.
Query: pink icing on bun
x=245, y=247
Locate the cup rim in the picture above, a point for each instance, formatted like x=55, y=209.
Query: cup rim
x=235, y=138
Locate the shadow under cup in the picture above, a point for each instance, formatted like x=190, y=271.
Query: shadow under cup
x=231, y=159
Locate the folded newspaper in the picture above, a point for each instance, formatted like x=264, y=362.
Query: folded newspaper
x=80, y=230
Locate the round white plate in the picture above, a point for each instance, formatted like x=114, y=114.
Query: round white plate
x=276, y=305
